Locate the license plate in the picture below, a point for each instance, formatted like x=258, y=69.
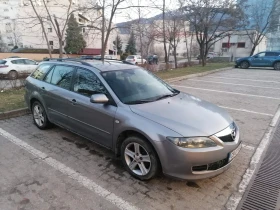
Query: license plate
x=233, y=154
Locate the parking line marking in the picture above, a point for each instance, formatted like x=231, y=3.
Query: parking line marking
x=226, y=83
x=236, y=78
x=236, y=197
x=84, y=181
x=245, y=110
x=220, y=91
x=248, y=147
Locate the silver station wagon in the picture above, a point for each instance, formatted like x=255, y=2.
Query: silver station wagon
x=150, y=125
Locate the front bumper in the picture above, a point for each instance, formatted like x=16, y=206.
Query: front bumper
x=194, y=164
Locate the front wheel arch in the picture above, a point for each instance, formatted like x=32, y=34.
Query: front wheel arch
x=125, y=134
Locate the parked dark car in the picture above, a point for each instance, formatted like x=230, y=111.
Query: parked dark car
x=127, y=109
x=152, y=59
x=262, y=59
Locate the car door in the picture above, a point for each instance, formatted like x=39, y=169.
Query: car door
x=56, y=93
x=258, y=60
x=19, y=65
x=30, y=65
x=269, y=58
x=94, y=121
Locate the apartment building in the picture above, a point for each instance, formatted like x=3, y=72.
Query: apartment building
x=20, y=27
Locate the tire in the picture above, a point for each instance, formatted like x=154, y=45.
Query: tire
x=144, y=164
x=276, y=66
x=40, y=118
x=13, y=75
x=244, y=65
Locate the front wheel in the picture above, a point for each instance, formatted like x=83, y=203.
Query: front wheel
x=277, y=66
x=39, y=116
x=139, y=158
x=244, y=64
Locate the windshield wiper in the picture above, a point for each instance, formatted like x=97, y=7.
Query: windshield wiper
x=167, y=96
x=139, y=102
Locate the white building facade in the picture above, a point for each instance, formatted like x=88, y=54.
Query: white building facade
x=20, y=27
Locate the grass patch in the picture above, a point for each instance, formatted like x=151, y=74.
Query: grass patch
x=12, y=99
x=191, y=70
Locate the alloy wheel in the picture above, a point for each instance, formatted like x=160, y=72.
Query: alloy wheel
x=277, y=66
x=244, y=65
x=137, y=159
x=38, y=114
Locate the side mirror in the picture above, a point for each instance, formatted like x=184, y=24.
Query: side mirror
x=99, y=99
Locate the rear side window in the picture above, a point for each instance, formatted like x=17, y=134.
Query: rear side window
x=130, y=57
x=3, y=61
x=41, y=71
x=60, y=76
x=19, y=61
x=29, y=62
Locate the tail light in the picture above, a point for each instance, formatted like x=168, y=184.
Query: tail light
x=5, y=66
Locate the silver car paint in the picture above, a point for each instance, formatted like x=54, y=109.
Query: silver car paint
x=179, y=116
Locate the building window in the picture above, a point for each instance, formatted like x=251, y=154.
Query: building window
x=225, y=45
x=10, y=45
x=241, y=45
x=51, y=43
x=49, y=29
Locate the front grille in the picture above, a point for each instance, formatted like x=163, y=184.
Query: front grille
x=227, y=138
x=211, y=166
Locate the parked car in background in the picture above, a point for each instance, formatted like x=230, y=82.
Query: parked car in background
x=262, y=59
x=135, y=59
x=127, y=109
x=152, y=59
x=209, y=55
x=105, y=57
x=13, y=67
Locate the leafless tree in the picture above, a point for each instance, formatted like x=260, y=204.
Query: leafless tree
x=259, y=19
x=174, y=32
x=211, y=20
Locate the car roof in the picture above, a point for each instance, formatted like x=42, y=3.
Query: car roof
x=99, y=65
x=11, y=59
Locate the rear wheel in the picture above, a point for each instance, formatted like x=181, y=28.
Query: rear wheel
x=244, y=64
x=39, y=116
x=277, y=66
x=139, y=158
x=13, y=74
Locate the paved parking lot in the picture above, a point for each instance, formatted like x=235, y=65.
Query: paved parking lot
x=68, y=172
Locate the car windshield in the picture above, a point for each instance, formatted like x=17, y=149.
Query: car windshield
x=2, y=61
x=136, y=86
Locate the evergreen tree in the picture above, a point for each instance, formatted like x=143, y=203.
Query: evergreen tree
x=118, y=44
x=74, y=38
x=131, y=45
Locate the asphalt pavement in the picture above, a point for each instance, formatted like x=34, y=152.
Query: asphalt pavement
x=55, y=169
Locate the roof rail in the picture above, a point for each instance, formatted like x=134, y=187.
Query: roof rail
x=73, y=60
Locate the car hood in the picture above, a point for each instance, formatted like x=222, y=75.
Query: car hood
x=186, y=115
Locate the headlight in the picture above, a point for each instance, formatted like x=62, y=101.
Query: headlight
x=192, y=142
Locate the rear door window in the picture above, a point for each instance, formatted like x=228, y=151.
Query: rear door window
x=29, y=62
x=18, y=62
x=61, y=76
x=41, y=71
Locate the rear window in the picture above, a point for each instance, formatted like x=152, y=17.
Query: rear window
x=3, y=61
x=130, y=57
x=41, y=71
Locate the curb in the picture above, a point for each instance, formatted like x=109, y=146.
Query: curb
x=175, y=79
x=14, y=113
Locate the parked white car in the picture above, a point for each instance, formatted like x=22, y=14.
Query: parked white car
x=13, y=67
x=135, y=59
